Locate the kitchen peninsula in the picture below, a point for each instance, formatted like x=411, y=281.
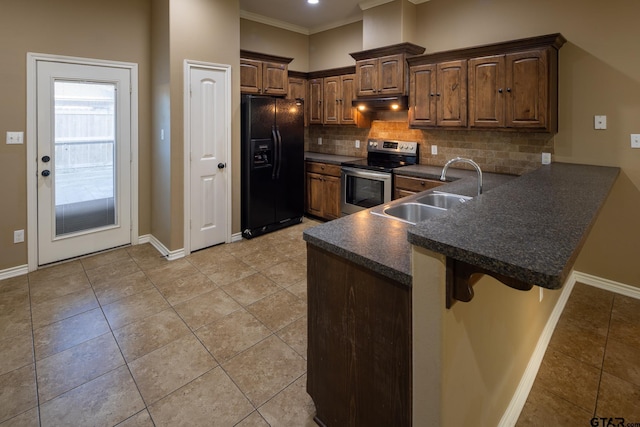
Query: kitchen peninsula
x=466, y=361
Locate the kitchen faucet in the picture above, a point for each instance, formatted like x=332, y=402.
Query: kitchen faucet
x=463, y=160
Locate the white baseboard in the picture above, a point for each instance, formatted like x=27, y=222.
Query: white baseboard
x=169, y=255
x=14, y=272
x=236, y=237
x=519, y=399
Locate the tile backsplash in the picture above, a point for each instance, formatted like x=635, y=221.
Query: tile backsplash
x=499, y=152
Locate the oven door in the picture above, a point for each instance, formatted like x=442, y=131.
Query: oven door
x=363, y=189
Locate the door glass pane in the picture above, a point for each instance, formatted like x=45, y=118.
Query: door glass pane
x=84, y=167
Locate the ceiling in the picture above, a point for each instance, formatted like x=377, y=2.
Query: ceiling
x=299, y=16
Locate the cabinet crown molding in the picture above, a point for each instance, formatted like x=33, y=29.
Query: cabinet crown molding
x=555, y=40
x=400, y=48
x=247, y=54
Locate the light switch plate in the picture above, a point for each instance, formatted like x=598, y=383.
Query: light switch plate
x=15, y=137
x=600, y=122
x=635, y=140
x=546, y=158
x=357, y=143
x=434, y=150
x=319, y=141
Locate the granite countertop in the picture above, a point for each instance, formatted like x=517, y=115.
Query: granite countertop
x=380, y=244
x=530, y=227
x=328, y=158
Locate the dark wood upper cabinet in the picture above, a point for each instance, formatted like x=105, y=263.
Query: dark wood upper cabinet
x=339, y=93
x=314, y=105
x=509, y=86
x=264, y=74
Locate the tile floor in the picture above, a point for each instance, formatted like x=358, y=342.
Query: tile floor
x=592, y=365
x=128, y=338
x=219, y=338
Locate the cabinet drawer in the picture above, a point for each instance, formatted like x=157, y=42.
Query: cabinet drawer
x=415, y=184
x=323, y=168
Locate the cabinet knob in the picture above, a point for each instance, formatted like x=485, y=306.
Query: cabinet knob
x=437, y=94
x=431, y=94
x=509, y=89
x=500, y=90
x=422, y=183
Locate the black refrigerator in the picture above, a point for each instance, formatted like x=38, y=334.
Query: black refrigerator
x=272, y=164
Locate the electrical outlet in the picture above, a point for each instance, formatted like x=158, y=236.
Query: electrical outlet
x=319, y=141
x=635, y=140
x=357, y=143
x=546, y=158
x=434, y=150
x=18, y=236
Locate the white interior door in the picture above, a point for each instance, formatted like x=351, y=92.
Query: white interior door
x=209, y=119
x=84, y=159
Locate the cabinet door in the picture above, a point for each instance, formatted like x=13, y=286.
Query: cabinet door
x=391, y=75
x=331, y=197
x=298, y=90
x=347, y=111
x=250, y=76
x=315, y=101
x=527, y=86
x=331, y=100
x=452, y=93
x=486, y=91
x=367, y=77
x=422, y=95
x=315, y=191
x=274, y=78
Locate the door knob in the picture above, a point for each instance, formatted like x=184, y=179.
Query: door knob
x=46, y=159
x=46, y=172
x=221, y=165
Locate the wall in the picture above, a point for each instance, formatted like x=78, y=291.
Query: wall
x=118, y=30
x=331, y=48
x=391, y=23
x=262, y=38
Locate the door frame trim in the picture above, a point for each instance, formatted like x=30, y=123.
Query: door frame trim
x=31, y=142
x=188, y=65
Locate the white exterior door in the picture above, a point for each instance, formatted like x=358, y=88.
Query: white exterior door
x=83, y=159
x=208, y=134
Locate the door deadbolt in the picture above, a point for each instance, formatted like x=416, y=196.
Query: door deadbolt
x=46, y=159
x=221, y=165
x=46, y=172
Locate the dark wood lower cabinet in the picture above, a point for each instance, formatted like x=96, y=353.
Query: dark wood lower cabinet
x=359, y=350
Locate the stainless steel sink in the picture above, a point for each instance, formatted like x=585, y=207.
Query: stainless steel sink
x=442, y=200
x=413, y=212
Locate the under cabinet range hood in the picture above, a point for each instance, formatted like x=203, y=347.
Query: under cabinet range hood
x=389, y=103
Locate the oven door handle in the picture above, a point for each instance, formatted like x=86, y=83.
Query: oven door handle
x=365, y=173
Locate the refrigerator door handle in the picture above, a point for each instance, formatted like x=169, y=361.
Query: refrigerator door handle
x=276, y=158
x=279, y=152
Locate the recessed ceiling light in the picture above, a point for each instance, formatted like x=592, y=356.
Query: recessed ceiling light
x=312, y=1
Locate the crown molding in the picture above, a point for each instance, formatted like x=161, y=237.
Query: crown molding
x=368, y=4
x=274, y=22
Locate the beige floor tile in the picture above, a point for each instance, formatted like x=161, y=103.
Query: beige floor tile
x=291, y=247
x=146, y=256
x=245, y=247
x=66, y=370
x=225, y=272
x=30, y=418
x=251, y=289
x=265, y=369
x=295, y=336
x=170, y=272
x=207, y=257
x=15, y=322
x=291, y=407
x=69, y=332
x=149, y=334
x=225, y=404
x=13, y=284
x=232, y=334
x=58, y=270
x=265, y=258
x=299, y=290
x=167, y=369
x=253, y=420
x=17, y=392
x=570, y=379
x=14, y=294
x=109, y=272
x=286, y=273
x=543, y=408
x=622, y=361
x=588, y=305
x=117, y=288
x=105, y=401
x=278, y=310
x=206, y=308
x=56, y=309
x=141, y=419
x=618, y=398
x=58, y=287
x=584, y=342
x=15, y=353
x=625, y=321
x=187, y=287
x=135, y=307
x=104, y=258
